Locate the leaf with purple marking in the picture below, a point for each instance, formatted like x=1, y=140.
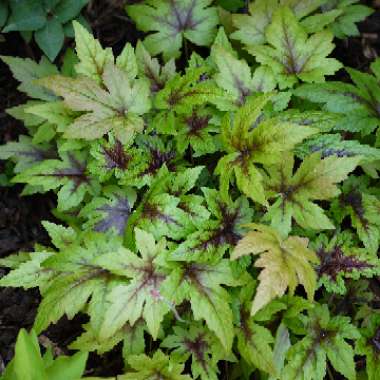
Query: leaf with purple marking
x=327, y=338
x=116, y=107
x=201, y=345
x=340, y=262
x=292, y=54
x=201, y=284
x=111, y=211
x=294, y=194
x=113, y=158
x=172, y=21
x=364, y=210
x=250, y=139
x=214, y=236
x=358, y=103
x=25, y=153
x=141, y=296
x=68, y=176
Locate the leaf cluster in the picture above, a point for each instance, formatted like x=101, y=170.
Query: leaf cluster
x=219, y=213
x=47, y=21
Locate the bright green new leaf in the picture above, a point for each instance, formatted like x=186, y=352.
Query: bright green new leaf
x=28, y=364
x=159, y=366
x=92, y=57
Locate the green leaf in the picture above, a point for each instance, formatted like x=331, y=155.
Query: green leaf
x=341, y=261
x=253, y=340
x=150, y=67
x=66, y=10
x=292, y=54
x=132, y=338
x=215, y=235
x=198, y=343
x=246, y=146
x=315, y=179
x=351, y=13
x=335, y=145
x=68, y=368
x=325, y=340
x=28, y=273
x=92, y=57
x=24, y=153
x=111, y=212
x=183, y=92
x=159, y=366
x=172, y=22
x=197, y=131
x=127, y=61
x=76, y=279
x=50, y=38
x=358, y=103
x=28, y=363
x=27, y=71
x=251, y=28
x=68, y=175
x=27, y=15
x=366, y=345
x=141, y=297
x=236, y=79
x=201, y=284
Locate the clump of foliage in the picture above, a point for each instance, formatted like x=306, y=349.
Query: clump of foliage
x=220, y=218
x=28, y=363
x=48, y=21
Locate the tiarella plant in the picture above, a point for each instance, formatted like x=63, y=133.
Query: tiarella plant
x=219, y=219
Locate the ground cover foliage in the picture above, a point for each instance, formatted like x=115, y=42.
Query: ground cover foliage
x=219, y=219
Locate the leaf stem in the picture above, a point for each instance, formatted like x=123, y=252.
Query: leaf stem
x=186, y=48
x=329, y=373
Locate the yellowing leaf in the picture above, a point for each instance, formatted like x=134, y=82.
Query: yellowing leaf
x=286, y=263
x=117, y=109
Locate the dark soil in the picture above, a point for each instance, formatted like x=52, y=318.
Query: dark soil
x=20, y=217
